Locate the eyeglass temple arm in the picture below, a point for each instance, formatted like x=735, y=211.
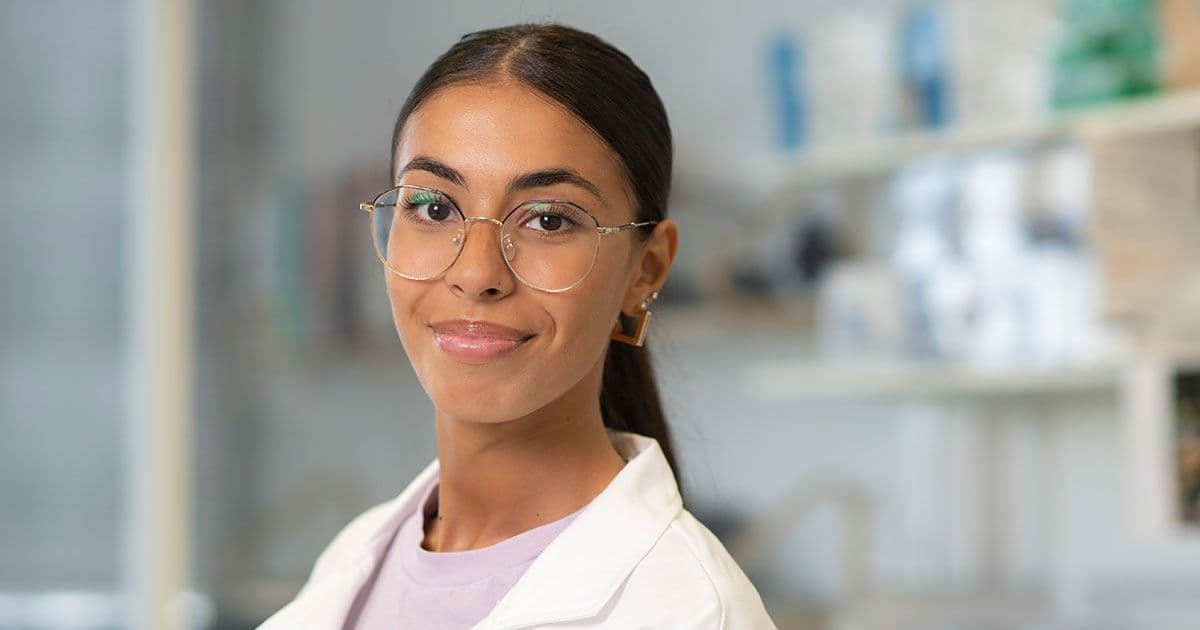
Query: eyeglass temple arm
x=619, y=228
x=368, y=207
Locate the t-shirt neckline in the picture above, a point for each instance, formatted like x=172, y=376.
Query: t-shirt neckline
x=450, y=568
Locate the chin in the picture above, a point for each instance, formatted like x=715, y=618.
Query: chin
x=489, y=402
x=483, y=413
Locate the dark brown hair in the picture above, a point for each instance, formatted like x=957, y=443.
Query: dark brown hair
x=609, y=93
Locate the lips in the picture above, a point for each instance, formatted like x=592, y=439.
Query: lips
x=475, y=342
x=477, y=328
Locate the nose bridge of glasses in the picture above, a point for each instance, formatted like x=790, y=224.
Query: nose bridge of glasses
x=466, y=225
x=468, y=220
x=507, y=247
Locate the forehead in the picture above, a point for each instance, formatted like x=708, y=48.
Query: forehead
x=490, y=133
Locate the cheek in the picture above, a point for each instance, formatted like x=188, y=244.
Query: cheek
x=403, y=297
x=582, y=327
x=604, y=289
x=591, y=314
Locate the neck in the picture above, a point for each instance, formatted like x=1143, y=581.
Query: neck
x=498, y=479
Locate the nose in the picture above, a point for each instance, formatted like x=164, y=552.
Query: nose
x=480, y=270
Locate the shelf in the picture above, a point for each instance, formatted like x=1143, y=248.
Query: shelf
x=779, y=362
x=1174, y=111
x=814, y=379
x=853, y=160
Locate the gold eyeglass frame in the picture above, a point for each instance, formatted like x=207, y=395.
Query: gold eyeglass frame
x=369, y=208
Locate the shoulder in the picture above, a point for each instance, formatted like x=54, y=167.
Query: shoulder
x=707, y=587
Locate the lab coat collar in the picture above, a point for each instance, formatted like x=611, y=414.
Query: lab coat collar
x=580, y=570
x=573, y=577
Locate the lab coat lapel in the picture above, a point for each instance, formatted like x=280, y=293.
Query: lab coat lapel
x=581, y=569
x=325, y=601
x=323, y=604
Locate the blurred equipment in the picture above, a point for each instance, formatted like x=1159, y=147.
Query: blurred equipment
x=754, y=545
x=1108, y=49
x=786, y=68
x=924, y=67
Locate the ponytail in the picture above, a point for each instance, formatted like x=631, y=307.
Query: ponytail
x=629, y=398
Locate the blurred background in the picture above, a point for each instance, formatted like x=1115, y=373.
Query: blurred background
x=930, y=351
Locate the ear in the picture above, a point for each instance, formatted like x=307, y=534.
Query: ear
x=652, y=263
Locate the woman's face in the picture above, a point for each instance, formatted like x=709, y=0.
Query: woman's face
x=490, y=135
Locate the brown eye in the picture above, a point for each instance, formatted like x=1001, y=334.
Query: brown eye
x=426, y=207
x=550, y=222
x=437, y=211
x=550, y=218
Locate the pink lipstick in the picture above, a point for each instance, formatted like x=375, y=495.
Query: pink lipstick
x=475, y=342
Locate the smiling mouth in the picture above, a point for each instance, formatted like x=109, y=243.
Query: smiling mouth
x=477, y=349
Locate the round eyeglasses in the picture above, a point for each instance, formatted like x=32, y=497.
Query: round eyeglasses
x=550, y=245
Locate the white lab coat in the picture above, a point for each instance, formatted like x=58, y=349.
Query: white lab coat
x=633, y=558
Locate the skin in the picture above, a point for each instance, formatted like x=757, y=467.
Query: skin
x=520, y=440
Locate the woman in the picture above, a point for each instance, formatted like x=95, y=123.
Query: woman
x=531, y=166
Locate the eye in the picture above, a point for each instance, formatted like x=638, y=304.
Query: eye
x=427, y=207
x=551, y=218
x=548, y=221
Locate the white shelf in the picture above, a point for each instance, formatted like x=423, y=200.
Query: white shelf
x=1173, y=111
x=791, y=370
x=852, y=160
x=811, y=379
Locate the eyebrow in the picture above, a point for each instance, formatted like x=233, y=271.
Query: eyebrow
x=524, y=181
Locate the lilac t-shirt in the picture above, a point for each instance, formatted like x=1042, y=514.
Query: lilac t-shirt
x=417, y=588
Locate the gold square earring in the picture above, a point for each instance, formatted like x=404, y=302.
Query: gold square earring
x=639, y=335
